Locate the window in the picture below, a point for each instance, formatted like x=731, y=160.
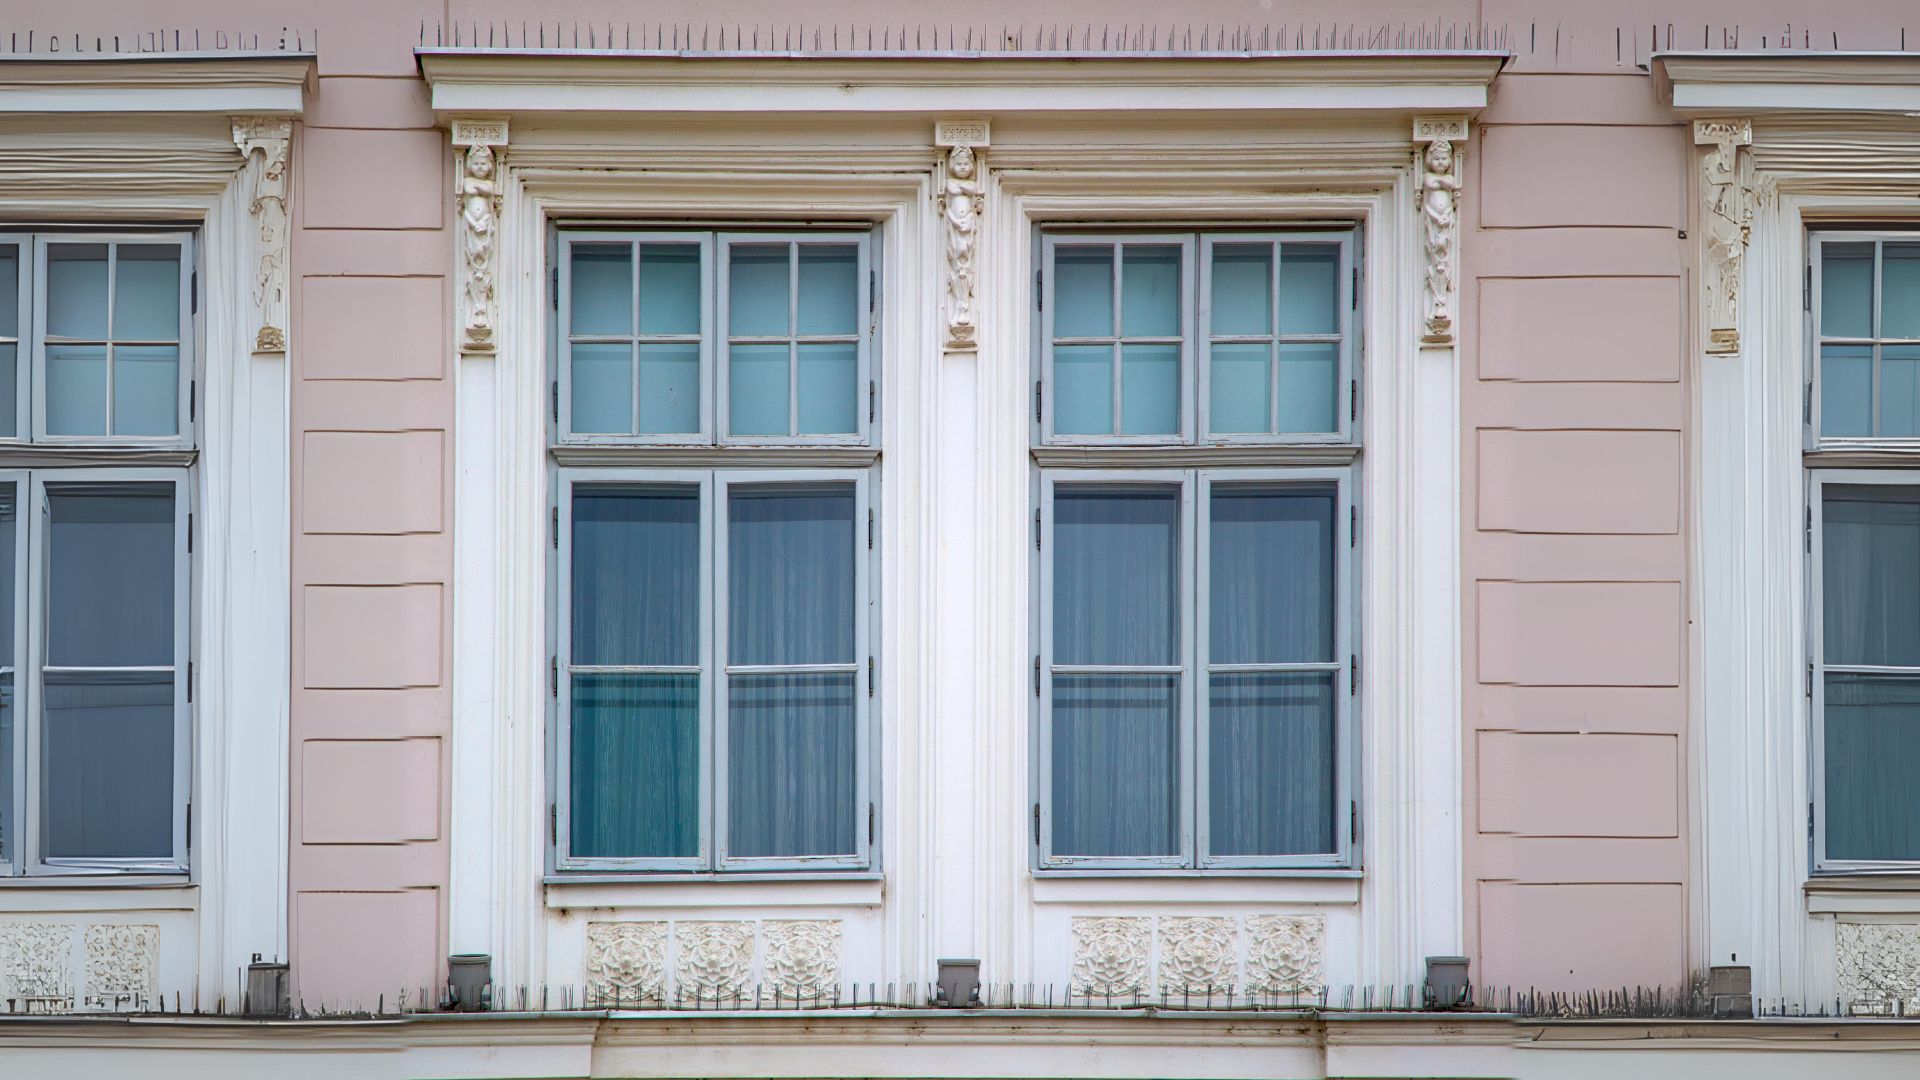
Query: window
x=1863, y=540
x=94, y=693
x=714, y=674
x=1195, y=667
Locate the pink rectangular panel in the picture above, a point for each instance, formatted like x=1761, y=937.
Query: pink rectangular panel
x=369, y=791
x=1580, y=329
x=373, y=327
x=1544, y=176
x=1580, y=633
x=1582, y=936
x=361, y=179
x=371, y=481
x=1580, y=481
x=1579, y=784
x=352, y=947
x=370, y=637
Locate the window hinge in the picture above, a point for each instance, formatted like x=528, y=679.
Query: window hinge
x=1356, y=289
x=193, y=293
x=553, y=273
x=1353, y=399
x=553, y=675
x=189, y=534
x=1353, y=673
x=1039, y=293
x=1036, y=824
x=1353, y=526
x=869, y=530
x=1809, y=823
x=555, y=407
x=1036, y=675
x=189, y=826
x=1037, y=398
x=1353, y=822
x=189, y=682
x=556, y=528
x=869, y=676
x=873, y=290
x=1808, y=537
x=1806, y=290
x=193, y=396
x=1036, y=530
x=869, y=823
x=872, y=397
x=1809, y=686
x=553, y=823
x=1806, y=402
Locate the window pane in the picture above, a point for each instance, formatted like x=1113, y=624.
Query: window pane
x=1083, y=291
x=829, y=289
x=1846, y=290
x=9, y=549
x=9, y=391
x=635, y=766
x=1846, y=390
x=1309, y=394
x=757, y=390
x=602, y=289
x=1150, y=291
x=636, y=574
x=1083, y=389
x=790, y=765
x=1871, y=542
x=110, y=567
x=669, y=288
x=76, y=389
x=9, y=290
x=146, y=292
x=1872, y=753
x=1116, y=765
x=77, y=291
x=1900, y=290
x=1149, y=389
x=1271, y=564
x=757, y=297
x=1899, y=390
x=1270, y=780
x=146, y=388
x=107, y=780
x=790, y=567
x=1242, y=289
x=1238, y=394
x=828, y=398
x=602, y=389
x=1116, y=575
x=669, y=389
x=1309, y=289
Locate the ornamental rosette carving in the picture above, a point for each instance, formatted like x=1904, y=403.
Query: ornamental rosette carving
x=626, y=963
x=1726, y=221
x=1877, y=965
x=802, y=957
x=1286, y=953
x=264, y=143
x=1197, y=955
x=1110, y=955
x=122, y=962
x=36, y=966
x=712, y=960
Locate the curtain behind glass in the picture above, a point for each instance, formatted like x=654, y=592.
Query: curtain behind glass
x=1871, y=587
x=1872, y=755
x=9, y=552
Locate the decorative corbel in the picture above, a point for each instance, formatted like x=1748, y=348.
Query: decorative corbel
x=1443, y=137
x=264, y=142
x=478, y=191
x=1726, y=220
x=962, y=198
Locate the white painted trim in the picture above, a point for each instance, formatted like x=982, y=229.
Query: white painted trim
x=1743, y=84
x=224, y=84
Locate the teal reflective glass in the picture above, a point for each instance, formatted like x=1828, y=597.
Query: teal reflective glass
x=1271, y=746
x=829, y=301
x=76, y=389
x=1870, y=545
x=1270, y=558
x=9, y=391
x=9, y=293
x=1872, y=744
x=1116, y=575
x=1846, y=390
x=1846, y=290
x=146, y=292
x=669, y=288
x=828, y=398
x=790, y=574
x=757, y=390
x=9, y=551
x=1900, y=290
x=107, y=745
x=601, y=290
x=1238, y=389
x=1899, y=391
x=146, y=388
x=602, y=389
x=1242, y=289
x=636, y=574
x=1150, y=292
x=1116, y=765
x=1083, y=389
x=1309, y=288
x=634, y=766
x=1309, y=392
x=110, y=566
x=76, y=290
x=1149, y=389
x=757, y=293
x=1083, y=290
x=791, y=765
x=669, y=388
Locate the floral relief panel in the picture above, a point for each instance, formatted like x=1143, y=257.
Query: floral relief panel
x=802, y=957
x=1285, y=953
x=1877, y=966
x=713, y=961
x=626, y=962
x=1198, y=955
x=122, y=960
x=1110, y=955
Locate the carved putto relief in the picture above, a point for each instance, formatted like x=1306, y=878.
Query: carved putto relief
x=264, y=142
x=1110, y=955
x=802, y=957
x=121, y=963
x=713, y=960
x=1285, y=953
x=1726, y=220
x=626, y=963
x=962, y=196
x=1440, y=221
x=478, y=190
x=1198, y=955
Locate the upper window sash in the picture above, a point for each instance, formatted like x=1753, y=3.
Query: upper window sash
x=1863, y=329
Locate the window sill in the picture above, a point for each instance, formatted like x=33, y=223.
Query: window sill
x=1886, y=892
x=772, y=889
x=130, y=892
x=1197, y=887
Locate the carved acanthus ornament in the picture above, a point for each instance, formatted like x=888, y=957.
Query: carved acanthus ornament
x=264, y=143
x=1443, y=136
x=626, y=963
x=479, y=143
x=1110, y=955
x=713, y=961
x=1286, y=953
x=1726, y=219
x=1198, y=955
x=802, y=957
x=962, y=197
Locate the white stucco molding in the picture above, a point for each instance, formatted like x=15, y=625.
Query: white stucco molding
x=265, y=143
x=479, y=145
x=1747, y=83
x=1440, y=140
x=560, y=81
x=1726, y=224
x=271, y=83
x=962, y=198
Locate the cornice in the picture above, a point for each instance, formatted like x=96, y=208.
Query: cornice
x=224, y=83
x=472, y=81
x=1750, y=83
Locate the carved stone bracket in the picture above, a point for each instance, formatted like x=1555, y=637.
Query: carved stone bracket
x=480, y=143
x=264, y=143
x=1443, y=137
x=1726, y=220
x=962, y=198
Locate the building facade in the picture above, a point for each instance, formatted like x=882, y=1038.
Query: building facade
x=711, y=523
